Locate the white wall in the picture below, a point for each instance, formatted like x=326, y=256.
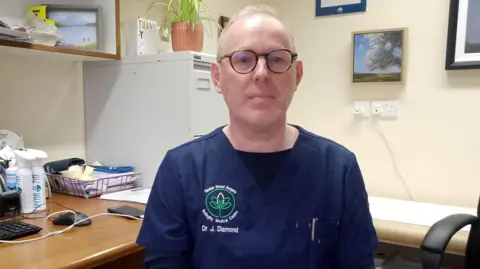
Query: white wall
x=436, y=139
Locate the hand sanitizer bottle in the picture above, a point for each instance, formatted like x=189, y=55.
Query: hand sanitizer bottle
x=25, y=180
x=38, y=174
x=11, y=179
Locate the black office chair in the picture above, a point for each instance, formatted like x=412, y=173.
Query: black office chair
x=439, y=235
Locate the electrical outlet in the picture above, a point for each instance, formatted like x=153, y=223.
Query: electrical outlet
x=385, y=109
x=361, y=109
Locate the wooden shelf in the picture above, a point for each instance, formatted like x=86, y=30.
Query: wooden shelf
x=27, y=49
x=109, y=30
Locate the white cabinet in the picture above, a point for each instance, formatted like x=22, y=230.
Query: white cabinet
x=204, y=104
x=138, y=108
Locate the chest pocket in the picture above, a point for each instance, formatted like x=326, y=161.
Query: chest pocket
x=315, y=243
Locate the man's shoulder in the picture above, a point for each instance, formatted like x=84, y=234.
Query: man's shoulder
x=196, y=144
x=325, y=146
x=310, y=141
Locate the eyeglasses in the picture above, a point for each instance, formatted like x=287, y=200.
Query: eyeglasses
x=245, y=61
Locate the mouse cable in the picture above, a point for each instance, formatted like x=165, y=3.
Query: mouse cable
x=65, y=229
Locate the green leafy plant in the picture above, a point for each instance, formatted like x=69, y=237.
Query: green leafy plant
x=191, y=12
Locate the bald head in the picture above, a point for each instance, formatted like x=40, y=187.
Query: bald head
x=250, y=17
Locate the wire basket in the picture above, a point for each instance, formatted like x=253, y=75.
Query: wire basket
x=96, y=187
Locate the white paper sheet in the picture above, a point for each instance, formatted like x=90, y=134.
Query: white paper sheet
x=138, y=195
x=334, y=3
x=424, y=214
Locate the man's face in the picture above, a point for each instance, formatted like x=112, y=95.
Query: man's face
x=260, y=97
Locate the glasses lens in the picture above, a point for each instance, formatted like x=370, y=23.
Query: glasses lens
x=244, y=61
x=279, y=61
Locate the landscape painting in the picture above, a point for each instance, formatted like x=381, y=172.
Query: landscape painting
x=79, y=29
x=378, y=56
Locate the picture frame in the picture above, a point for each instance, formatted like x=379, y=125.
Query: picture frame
x=463, y=38
x=222, y=21
x=338, y=7
x=80, y=26
x=379, y=56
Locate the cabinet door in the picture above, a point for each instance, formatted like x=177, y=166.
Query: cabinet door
x=207, y=107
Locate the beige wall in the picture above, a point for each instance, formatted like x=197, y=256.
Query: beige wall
x=436, y=138
x=43, y=102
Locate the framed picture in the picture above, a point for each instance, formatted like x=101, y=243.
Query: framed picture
x=378, y=56
x=337, y=7
x=222, y=21
x=79, y=26
x=463, y=41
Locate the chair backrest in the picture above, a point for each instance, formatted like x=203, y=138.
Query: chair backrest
x=472, y=253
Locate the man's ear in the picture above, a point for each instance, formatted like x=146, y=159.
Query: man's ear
x=215, y=74
x=299, y=71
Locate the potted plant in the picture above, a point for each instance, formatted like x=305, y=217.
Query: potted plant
x=183, y=22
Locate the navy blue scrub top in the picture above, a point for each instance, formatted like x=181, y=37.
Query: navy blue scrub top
x=314, y=214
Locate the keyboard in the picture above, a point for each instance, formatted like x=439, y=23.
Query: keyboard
x=13, y=229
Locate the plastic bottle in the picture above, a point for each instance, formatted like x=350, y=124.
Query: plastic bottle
x=11, y=178
x=38, y=174
x=25, y=179
x=10, y=171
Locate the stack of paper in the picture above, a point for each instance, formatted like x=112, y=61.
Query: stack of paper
x=137, y=195
x=7, y=33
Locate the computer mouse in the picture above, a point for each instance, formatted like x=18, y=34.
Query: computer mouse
x=68, y=219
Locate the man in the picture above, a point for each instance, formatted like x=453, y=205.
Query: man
x=258, y=193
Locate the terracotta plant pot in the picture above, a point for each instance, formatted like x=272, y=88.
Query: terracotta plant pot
x=186, y=37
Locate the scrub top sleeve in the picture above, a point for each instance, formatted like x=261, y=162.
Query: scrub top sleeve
x=165, y=228
x=357, y=240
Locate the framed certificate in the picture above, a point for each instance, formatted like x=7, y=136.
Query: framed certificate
x=463, y=43
x=336, y=7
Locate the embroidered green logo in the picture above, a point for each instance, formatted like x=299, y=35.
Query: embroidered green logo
x=220, y=203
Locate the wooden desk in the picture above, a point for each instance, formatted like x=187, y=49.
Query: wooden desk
x=108, y=242
x=411, y=235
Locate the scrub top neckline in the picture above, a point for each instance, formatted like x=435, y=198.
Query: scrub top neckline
x=283, y=182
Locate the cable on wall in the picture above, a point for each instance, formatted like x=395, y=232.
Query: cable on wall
x=381, y=132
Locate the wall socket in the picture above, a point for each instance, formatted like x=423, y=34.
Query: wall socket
x=362, y=109
x=385, y=109
x=379, y=109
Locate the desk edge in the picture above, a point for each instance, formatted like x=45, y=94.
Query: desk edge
x=106, y=256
